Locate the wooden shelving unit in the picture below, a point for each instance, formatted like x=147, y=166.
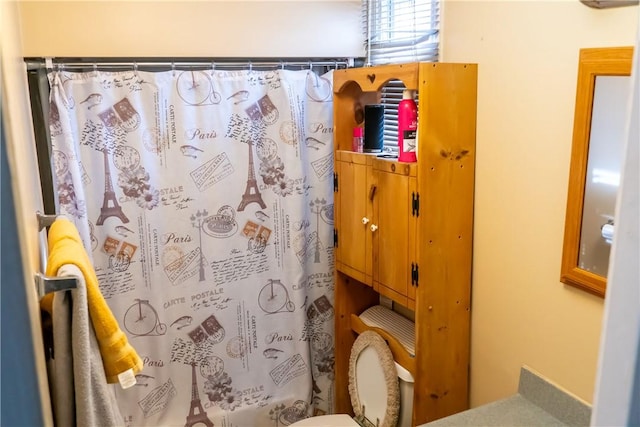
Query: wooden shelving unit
x=419, y=250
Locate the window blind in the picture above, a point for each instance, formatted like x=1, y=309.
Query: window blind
x=399, y=31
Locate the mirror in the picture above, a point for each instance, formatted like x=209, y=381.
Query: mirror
x=601, y=112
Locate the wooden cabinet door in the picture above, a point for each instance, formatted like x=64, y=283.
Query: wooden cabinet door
x=353, y=255
x=394, y=230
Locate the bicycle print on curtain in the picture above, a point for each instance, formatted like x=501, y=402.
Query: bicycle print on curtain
x=205, y=199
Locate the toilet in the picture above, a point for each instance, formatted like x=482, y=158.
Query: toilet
x=381, y=390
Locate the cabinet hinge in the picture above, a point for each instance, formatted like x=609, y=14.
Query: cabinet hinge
x=414, y=274
x=335, y=238
x=415, y=204
x=335, y=182
x=413, y=279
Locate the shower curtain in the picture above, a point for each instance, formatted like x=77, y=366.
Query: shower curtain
x=205, y=200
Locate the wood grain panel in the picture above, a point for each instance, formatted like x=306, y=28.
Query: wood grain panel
x=371, y=79
x=352, y=201
x=391, y=265
x=447, y=125
x=351, y=296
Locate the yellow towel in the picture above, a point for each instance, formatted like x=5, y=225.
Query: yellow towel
x=65, y=247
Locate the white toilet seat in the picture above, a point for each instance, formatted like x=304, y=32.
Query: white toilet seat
x=367, y=346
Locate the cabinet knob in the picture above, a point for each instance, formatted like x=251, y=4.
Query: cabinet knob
x=374, y=227
x=365, y=220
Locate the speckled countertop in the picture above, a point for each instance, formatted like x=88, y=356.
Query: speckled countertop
x=537, y=403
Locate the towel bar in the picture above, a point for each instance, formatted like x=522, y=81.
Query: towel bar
x=46, y=284
x=45, y=220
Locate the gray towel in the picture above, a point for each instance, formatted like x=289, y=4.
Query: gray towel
x=78, y=373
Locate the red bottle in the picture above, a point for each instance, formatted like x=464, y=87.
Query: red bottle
x=407, y=127
x=357, y=145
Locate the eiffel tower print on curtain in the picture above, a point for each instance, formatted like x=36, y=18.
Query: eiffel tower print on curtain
x=201, y=416
x=251, y=192
x=109, y=196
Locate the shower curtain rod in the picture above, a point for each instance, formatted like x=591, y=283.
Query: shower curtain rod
x=166, y=64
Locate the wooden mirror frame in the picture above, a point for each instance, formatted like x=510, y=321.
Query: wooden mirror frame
x=614, y=61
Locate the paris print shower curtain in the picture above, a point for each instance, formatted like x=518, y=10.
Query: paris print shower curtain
x=205, y=199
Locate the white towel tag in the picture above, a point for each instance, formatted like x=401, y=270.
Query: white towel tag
x=127, y=379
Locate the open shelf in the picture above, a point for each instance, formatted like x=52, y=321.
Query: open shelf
x=399, y=351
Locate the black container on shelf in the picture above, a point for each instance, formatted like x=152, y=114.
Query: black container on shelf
x=373, y=128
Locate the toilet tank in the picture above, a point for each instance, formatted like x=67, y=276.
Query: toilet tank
x=405, y=382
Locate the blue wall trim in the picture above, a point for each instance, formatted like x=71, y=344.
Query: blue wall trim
x=19, y=395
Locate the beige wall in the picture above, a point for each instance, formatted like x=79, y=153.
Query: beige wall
x=317, y=28
x=527, y=53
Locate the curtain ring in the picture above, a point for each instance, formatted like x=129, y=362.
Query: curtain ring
x=213, y=67
x=173, y=68
x=60, y=71
x=135, y=68
x=250, y=66
x=281, y=65
x=310, y=66
x=335, y=65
